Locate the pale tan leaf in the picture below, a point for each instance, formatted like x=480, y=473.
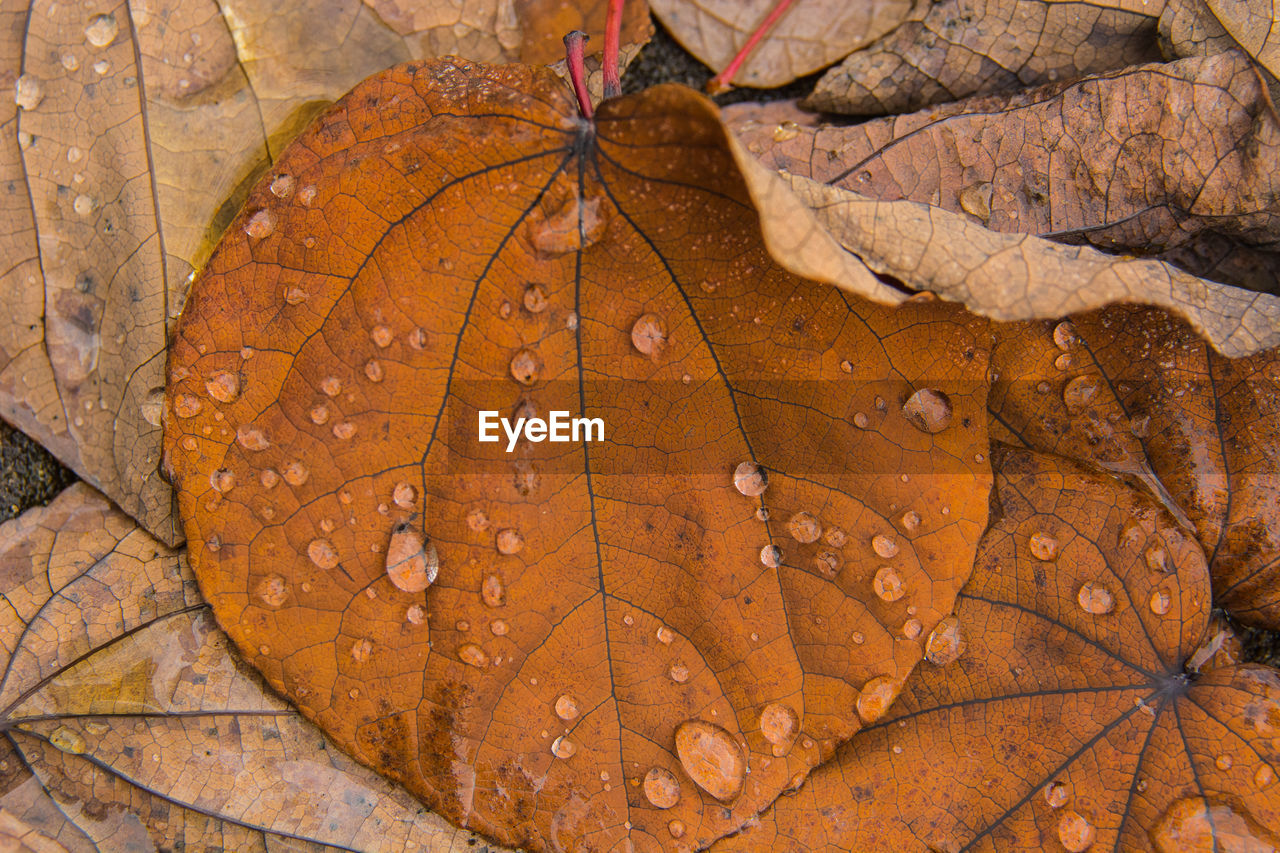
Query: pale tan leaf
x=1255, y=25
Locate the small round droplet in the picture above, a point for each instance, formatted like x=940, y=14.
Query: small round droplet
x=382, y=336
x=272, y=590
x=1075, y=833
x=771, y=556
x=567, y=708
x=665, y=635
x=649, y=335
x=876, y=696
x=319, y=414
x=884, y=546
x=1063, y=362
x=911, y=521
x=187, y=406
x=1056, y=794
x=661, y=788
x=28, y=92
x=912, y=628
x=562, y=747
x=860, y=420
x=1043, y=546
x=711, y=758
x=101, y=30
x=492, y=591
x=535, y=299
x=473, y=655
x=499, y=628
x=331, y=386
x=1157, y=558
x=282, y=186
x=295, y=473
x=477, y=520
x=261, y=225
x=803, y=527
x=526, y=366
x=679, y=673
x=222, y=480
x=1263, y=777
x=269, y=478
x=344, y=431
x=750, y=479
x=251, y=438
x=412, y=562
x=1065, y=337
x=828, y=563
x=1160, y=601
x=83, y=205
x=373, y=370
x=888, y=584
x=945, y=644
x=1095, y=598
x=676, y=828
x=928, y=410
x=322, y=553
x=509, y=541
x=1223, y=762
x=415, y=614
x=361, y=650
x=1079, y=393
x=404, y=495
x=779, y=724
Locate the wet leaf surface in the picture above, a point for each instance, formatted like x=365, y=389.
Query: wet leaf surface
x=956, y=48
x=1071, y=721
x=128, y=725
x=1135, y=391
x=1174, y=161
x=786, y=500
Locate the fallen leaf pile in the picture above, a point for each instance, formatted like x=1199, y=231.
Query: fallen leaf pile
x=936, y=444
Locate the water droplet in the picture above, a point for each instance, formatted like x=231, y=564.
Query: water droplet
x=222, y=480
x=382, y=336
x=912, y=628
x=661, y=788
x=412, y=562
x=860, y=420
x=876, y=696
x=785, y=131
x=928, y=410
x=846, y=366
x=884, y=546
x=750, y=479
x=711, y=758
x=344, y=431
x=771, y=556
x=828, y=563
x=649, y=335
x=492, y=591
x=272, y=590
x=1263, y=777
x=803, y=527
x=415, y=614
x=525, y=366
x=910, y=521
x=1063, y=361
x=1075, y=833
x=295, y=474
x=261, y=224
x=1079, y=392
x=1157, y=558
x=1223, y=762
x=509, y=541
x=404, y=495
x=504, y=310
x=251, y=438
x=679, y=673
x=499, y=628
x=322, y=553
x=1193, y=823
x=665, y=635
x=676, y=828
x=473, y=655
x=835, y=537
x=68, y=740
x=567, y=708
x=1043, y=546
x=268, y=478
x=946, y=643
x=83, y=205
x=373, y=370
x=331, y=386
x=1065, y=337
x=562, y=747
x=779, y=724
x=101, y=30
x=1160, y=601
x=1095, y=598
x=975, y=200
x=1056, y=794
x=187, y=406
x=888, y=584
x=857, y=638
x=361, y=650
x=282, y=186
x=535, y=299
x=628, y=620
x=28, y=92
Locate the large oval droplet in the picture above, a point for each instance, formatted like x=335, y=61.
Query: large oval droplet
x=884, y=546
x=876, y=696
x=1193, y=823
x=712, y=759
x=473, y=655
x=661, y=787
x=1095, y=598
x=945, y=644
x=750, y=479
x=322, y=553
x=1075, y=832
x=412, y=563
x=928, y=410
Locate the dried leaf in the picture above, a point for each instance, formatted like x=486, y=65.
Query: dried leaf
x=1255, y=26
x=1133, y=390
x=128, y=725
x=1189, y=28
x=1177, y=161
x=480, y=248
x=1070, y=721
x=810, y=35
x=955, y=48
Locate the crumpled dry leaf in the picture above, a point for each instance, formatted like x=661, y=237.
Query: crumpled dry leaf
x=128, y=725
x=1134, y=391
x=1072, y=720
x=1189, y=28
x=1017, y=277
x=811, y=35
x=1255, y=26
x=955, y=48
x=591, y=602
x=1177, y=161
x=141, y=129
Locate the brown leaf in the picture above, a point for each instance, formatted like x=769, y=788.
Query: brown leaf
x=1189, y=28
x=811, y=35
x=1071, y=720
x=1176, y=161
x=1255, y=26
x=955, y=48
x=1133, y=390
x=104, y=219
x=128, y=725
x=480, y=248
